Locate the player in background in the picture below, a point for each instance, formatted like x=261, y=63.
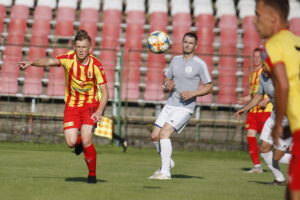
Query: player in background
x=86, y=96
x=182, y=80
x=257, y=115
x=281, y=54
x=267, y=144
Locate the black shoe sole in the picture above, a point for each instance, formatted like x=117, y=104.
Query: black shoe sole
x=91, y=180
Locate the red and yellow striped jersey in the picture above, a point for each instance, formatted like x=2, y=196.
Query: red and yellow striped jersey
x=254, y=85
x=81, y=80
x=284, y=47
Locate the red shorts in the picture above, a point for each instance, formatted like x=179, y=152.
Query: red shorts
x=257, y=120
x=294, y=170
x=75, y=117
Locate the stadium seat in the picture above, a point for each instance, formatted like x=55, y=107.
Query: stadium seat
x=112, y=18
x=32, y=86
x=56, y=78
x=205, y=33
x=156, y=62
x=181, y=23
x=65, y=18
x=2, y=16
x=154, y=90
x=8, y=84
x=88, y=22
x=135, y=21
x=38, y=43
x=294, y=26
x=294, y=17
x=48, y=3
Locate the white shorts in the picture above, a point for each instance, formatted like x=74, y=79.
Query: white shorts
x=267, y=137
x=175, y=116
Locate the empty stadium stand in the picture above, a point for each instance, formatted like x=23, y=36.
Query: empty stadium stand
x=31, y=29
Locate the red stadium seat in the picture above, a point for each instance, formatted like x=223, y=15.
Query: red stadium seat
x=154, y=90
x=158, y=21
x=227, y=84
x=205, y=99
x=19, y=12
x=56, y=77
x=65, y=18
x=32, y=86
x=130, y=83
x=88, y=22
x=8, y=83
x=132, y=56
x=110, y=44
x=2, y=17
x=294, y=26
x=181, y=24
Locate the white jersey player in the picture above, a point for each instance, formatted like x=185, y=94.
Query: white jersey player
x=182, y=79
x=266, y=87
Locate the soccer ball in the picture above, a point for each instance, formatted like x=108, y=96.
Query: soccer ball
x=158, y=42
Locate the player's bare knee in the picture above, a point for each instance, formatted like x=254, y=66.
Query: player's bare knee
x=154, y=137
x=70, y=144
x=265, y=148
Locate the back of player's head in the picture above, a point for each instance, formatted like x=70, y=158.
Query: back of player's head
x=192, y=35
x=257, y=50
x=281, y=6
x=82, y=35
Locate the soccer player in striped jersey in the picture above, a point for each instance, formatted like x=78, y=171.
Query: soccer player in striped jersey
x=86, y=96
x=281, y=54
x=257, y=115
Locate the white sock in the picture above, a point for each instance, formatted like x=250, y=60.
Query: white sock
x=268, y=159
x=166, y=153
x=157, y=146
x=285, y=158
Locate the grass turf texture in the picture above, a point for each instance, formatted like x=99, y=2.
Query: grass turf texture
x=52, y=172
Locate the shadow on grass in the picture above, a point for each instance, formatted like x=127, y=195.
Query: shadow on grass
x=182, y=176
x=82, y=179
x=266, y=183
x=151, y=187
x=244, y=169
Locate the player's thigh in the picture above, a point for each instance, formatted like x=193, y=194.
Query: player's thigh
x=176, y=121
x=71, y=135
x=252, y=124
x=267, y=130
x=86, y=134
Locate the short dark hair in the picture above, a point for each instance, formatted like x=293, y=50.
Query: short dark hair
x=82, y=35
x=257, y=49
x=191, y=34
x=282, y=6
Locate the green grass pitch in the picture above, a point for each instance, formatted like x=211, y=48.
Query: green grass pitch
x=52, y=172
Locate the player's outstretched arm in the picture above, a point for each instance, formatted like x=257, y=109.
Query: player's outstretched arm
x=42, y=62
x=254, y=102
x=244, y=100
